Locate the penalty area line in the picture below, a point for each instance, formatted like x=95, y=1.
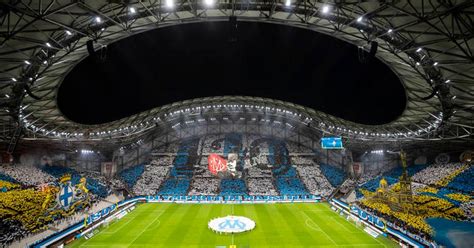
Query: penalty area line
x=335, y=219
x=144, y=229
x=327, y=235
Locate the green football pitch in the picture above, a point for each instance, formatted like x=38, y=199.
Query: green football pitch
x=277, y=225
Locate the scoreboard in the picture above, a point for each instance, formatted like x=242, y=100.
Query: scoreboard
x=331, y=143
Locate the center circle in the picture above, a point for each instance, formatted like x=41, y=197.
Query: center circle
x=231, y=224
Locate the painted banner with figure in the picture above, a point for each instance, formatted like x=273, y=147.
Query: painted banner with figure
x=216, y=164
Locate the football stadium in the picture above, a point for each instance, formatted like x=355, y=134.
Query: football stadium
x=235, y=123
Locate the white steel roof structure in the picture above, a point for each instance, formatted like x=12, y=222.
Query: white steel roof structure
x=428, y=44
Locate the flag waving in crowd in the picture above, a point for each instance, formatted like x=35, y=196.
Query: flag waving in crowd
x=216, y=164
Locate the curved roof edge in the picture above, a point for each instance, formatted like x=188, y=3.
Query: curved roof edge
x=421, y=54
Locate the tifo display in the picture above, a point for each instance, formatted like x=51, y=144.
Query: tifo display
x=244, y=171
x=236, y=124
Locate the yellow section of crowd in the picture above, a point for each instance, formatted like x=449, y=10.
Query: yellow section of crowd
x=445, y=181
x=428, y=189
x=8, y=185
x=24, y=205
x=459, y=197
x=425, y=207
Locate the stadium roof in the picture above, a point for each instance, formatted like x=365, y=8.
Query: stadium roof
x=223, y=58
x=427, y=44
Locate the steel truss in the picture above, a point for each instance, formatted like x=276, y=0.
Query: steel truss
x=426, y=43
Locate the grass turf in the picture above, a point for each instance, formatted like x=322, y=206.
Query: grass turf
x=277, y=225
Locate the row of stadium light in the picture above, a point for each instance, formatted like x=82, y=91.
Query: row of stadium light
x=132, y=129
x=325, y=9
x=86, y=151
x=376, y=151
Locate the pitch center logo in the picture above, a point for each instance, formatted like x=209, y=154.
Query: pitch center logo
x=231, y=224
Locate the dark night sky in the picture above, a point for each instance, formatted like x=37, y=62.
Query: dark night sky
x=199, y=60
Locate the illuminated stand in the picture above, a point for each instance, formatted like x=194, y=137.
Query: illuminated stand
x=231, y=224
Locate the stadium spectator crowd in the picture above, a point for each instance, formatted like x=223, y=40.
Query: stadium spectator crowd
x=298, y=148
x=314, y=180
x=131, y=175
x=174, y=187
x=12, y=230
x=27, y=175
x=204, y=186
x=261, y=186
x=162, y=160
x=435, y=172
x=233, y=187
x=444, y=190
x=212, y=144
x=334, y=174
x=151, y=179
x=255, y=171
x=300, y=160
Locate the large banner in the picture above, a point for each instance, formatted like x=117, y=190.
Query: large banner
x=357, y=169
x=216, y=164
x=108, y=169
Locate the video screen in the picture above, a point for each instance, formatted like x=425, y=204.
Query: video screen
x=331, y=143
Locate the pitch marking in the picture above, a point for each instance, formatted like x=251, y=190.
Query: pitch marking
x=310, y=223
x=334, y=242
x=154, y=228
x=159, y=212
x=342, y=225
x=144, y=229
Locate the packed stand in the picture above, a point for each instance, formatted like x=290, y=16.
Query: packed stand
x=202, y=172
x=232, y=143
x=174, y=187
x=348, y=185
x=290, y=186
x=131, y=175
x=162, y=160
x=468, y=208
x=204, y=186
x=233, y=187
x=301, y=160
x=59, y=171
x=255, y=171
x=297, y=148
x=334, y=175
x=182, y=166
x=151, y=180
x=96, y=184
x=212, y=144
x=261, y=186
x=27, y=175
x=288, y=181
x=182, y=170
x=7, y=178
x=463, y=182
x=12, y=230
x=169, y=148
x=25, y=208
x=440, y=191
x=314, y=180
x=392, y=177
x=435, y=172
